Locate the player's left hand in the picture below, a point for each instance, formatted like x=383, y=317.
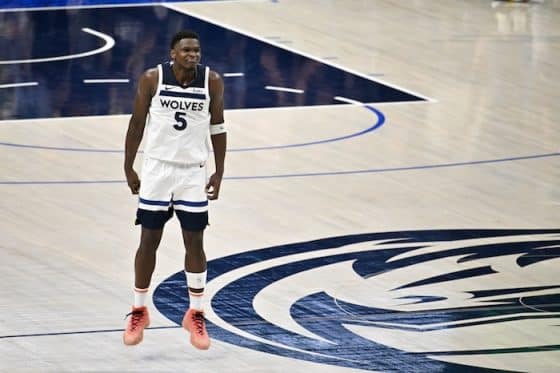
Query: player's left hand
x=213, y=186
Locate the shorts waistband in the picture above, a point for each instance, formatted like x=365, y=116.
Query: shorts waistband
x=179, y=164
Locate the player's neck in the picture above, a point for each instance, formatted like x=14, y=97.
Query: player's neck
x=184, y=76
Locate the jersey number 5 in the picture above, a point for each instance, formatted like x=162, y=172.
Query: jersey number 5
x=181, y=121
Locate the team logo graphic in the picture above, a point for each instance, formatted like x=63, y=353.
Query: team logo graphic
x=434, y=300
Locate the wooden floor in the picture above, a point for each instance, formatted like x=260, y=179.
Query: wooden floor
x=480, y=153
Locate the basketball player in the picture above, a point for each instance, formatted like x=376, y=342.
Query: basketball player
x=179, y=102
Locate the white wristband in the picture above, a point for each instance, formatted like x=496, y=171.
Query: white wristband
x=216, y=129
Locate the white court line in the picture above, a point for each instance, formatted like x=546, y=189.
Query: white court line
x=328, y=106
x=232, y=75
x=276, y=44
x=282, y=89
x=76, y=119
x=348, y=100
x=109, y=43
x=175, y=8
x=11, y=85
x=93, y=81
x=530, y=307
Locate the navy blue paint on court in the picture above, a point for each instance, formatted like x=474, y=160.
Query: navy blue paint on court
x=325, y=316
x=141, y=37
x=19, y=4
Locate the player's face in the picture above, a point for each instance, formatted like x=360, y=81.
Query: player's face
x=186, y=53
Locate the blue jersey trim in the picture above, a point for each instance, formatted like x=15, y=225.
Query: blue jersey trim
x=168, y=77
x=154, y=203
x=191, y=204
x=199, y=96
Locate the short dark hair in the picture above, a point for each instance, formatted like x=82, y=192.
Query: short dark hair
x=185, y=34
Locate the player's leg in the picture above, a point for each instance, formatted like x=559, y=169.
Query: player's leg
x=195, y=273
x=145, y=258
x=191, y=206
x=195, y=266
x=144, y=265
x=154, y=210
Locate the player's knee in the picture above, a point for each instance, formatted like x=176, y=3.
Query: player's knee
x=196, y=241
x=150, y=239
x=147, y=248
x=193, y=240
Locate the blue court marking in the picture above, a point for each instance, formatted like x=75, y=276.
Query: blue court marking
x=20, y=4
x=141, y=44
x=328, y=317
x=80, y=332
x=310, y=174
x=379, y=123
x=395, y=169
x=322, y=314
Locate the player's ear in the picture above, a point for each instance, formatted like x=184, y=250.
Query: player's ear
x=172, y=53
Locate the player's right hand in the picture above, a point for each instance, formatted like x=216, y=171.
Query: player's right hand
x=133, y=181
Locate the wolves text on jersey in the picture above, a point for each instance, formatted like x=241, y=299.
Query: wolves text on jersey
x=181, y=104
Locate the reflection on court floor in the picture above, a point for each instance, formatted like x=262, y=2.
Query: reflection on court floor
x=390, y=201
x=89, y=64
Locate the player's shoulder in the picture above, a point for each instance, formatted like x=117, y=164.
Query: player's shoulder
x=148, y=81
x=151, y=73
x=149, y=78
x=213, y=75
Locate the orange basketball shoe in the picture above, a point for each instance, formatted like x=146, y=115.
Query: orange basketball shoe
x=138, y=319
x=194, y=323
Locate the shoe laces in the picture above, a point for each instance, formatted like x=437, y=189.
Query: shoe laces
x=136, y=316
x=198, y=321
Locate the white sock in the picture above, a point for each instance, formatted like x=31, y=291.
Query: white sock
x=140, y=296
x=196, y=281
x=195, y=301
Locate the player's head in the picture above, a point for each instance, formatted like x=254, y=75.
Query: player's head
x=185, y=48
x=185, y=34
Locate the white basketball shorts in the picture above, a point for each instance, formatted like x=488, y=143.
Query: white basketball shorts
x=167, y=186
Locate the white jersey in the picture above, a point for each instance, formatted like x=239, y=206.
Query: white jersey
x=179, y=118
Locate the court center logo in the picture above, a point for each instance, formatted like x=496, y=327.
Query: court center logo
x=432, y=300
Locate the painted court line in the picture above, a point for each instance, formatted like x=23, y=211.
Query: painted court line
x=233, y=75
x=284, y=89
x=109, y=43
x=80, y=332
x=13, y=85
x=309, y=174
x=191, y=13
x=68, y=7
x=95, y=81
x=347, y=100
x=379, y=122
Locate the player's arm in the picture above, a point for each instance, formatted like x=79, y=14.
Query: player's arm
x=217, y=132
x=144, y=93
